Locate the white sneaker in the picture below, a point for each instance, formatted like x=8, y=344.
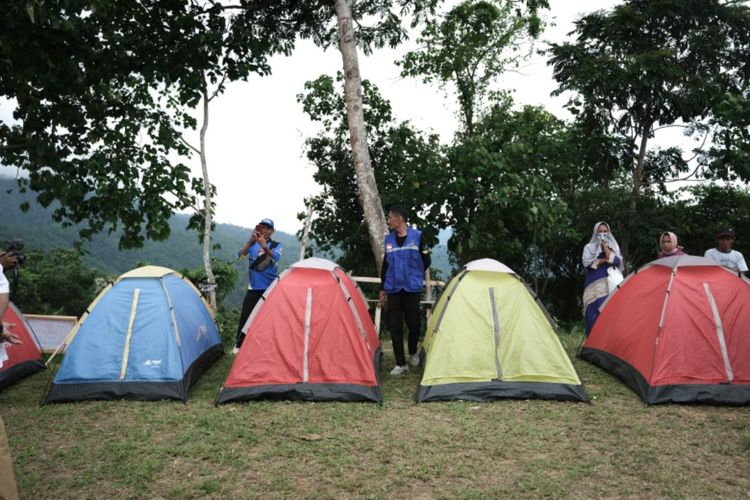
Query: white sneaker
x=235, y=350
x=399, y=370
x=414, y=360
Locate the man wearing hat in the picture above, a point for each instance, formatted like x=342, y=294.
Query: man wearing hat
x=263, y=256
x=723, y=253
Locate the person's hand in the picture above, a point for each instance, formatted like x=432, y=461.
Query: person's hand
x=600, y=262
x=8, y=260
x=9, y=337
x=382, y=297
x=261, y=238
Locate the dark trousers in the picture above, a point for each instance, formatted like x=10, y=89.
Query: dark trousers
x=248, y=304
x=404, y=306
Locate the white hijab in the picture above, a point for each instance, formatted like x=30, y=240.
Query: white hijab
x=593, y=247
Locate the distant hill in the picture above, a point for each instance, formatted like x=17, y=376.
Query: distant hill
x=182, y=250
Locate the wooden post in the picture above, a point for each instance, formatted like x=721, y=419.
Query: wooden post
x=428, y=292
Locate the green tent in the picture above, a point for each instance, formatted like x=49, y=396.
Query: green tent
x=489, y=337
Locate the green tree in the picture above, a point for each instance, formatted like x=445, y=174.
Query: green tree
x=405, y=163
x=351, y=25
x=648, y=65
x=729, y=156
x=225, y=278
x=57, y=283
x=470, y=47
x=699, y=211
x=502, y=189
x=101, y=76
x=103, y=92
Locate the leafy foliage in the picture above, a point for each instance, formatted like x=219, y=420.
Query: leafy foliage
x=729, y=157
x=225, y=273
x=56, y=283
x=404, y=160
x=647, y=65
x=103, y=91
x=469, y=47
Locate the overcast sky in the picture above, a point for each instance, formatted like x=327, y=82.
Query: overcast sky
x=257, y=129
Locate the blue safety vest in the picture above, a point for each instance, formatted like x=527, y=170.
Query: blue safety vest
x=405, y=268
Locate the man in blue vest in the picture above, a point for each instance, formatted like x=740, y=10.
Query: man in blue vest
x=402, y=281
x=263, y=255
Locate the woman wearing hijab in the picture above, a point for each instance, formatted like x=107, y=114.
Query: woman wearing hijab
x=600, y=253
x=668, y=246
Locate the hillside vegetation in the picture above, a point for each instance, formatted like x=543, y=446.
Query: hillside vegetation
x=182, y=250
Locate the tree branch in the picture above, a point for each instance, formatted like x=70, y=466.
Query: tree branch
x=705, y=138
x=218, y=87
x=688, y=178
x=679, y=125
x=187, y=144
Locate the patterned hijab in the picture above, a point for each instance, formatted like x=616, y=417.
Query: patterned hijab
x=593, y=248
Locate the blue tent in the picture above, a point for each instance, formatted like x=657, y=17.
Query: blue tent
x=148, y=336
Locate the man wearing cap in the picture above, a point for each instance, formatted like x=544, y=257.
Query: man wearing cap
x=263, y=256
x=723, y=253
x=402, y=281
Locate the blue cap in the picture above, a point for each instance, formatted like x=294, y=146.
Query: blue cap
x=267, y=222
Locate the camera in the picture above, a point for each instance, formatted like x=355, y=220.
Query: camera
x=16, y=246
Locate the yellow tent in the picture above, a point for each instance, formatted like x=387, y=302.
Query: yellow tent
x=490, y=338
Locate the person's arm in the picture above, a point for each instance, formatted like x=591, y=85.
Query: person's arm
x=243, y=250
x=383, y=268
x=4, y=301
x=5, y=334
x=276, y=251
x=741, y=264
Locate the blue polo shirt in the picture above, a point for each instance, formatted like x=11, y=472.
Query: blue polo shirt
x=260, y=280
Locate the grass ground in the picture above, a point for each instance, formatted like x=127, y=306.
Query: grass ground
x=614, y=447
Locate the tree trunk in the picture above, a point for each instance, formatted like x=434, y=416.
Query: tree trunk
x=369, y=197
x=207, y=210
x=635, y=193
x=305, y=232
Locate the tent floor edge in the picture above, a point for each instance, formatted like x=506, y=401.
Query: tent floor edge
x=377, y=361
x=302, y=392
x=20, y=371
x=136, y=390
x=495, y=390
x=200, y=366
x=620, y=369
x=708, y=394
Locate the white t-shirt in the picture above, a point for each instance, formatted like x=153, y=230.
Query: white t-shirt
x=4, y=285
x=4, y=288
x=732, y=260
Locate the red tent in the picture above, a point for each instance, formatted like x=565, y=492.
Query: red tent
x=309, y=338
x=677, y=330
x=20, y=360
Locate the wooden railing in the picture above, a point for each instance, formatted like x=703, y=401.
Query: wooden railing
x=426, y=300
